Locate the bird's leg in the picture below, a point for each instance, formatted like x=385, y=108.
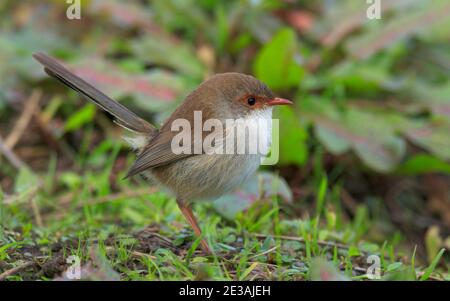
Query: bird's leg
x=187, y=212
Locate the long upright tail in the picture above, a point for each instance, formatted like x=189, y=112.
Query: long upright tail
x=124, y=116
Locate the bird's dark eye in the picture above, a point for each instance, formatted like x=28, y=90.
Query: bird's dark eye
x=251, y=101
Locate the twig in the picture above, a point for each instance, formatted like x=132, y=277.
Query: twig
x=167, y=240
x=31, y=193
x=47, y=135
x=15, y=270
x=348, y=201
x=140, y=255
x=36, y=212
x=42, y=122
x=359, y=270
x=11, y=156
x=24, y=119
x=264, y=253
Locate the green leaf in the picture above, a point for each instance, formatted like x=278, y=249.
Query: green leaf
x=433, y=242
x=135, y=216
x=163, y=52
x=369, y=247
x=3, y=249
x=371, y=136
x=199, y=259
x=71, y=180
x=413, y=263
x=432, y=266
x=432, y=96
x=248, y=271
x=353, y=251
x=222, y=29
x=153, y=90
x=80, y=118
x=424, y=163
x=276, y=63
x=25, y=181
x=430, y=13
x=393, y=266
x=431, y=136
x=293, y=137
x=321, y=194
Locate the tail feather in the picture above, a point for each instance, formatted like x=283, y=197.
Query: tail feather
x=124, y=116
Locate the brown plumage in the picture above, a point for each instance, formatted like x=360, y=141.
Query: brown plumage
x=189, y=177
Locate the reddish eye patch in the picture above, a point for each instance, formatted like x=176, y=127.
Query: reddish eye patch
x=258, y=102
x=252, y=101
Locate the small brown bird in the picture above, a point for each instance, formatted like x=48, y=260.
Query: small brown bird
x=189, y=176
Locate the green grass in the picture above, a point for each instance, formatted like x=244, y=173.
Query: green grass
x=127, y=232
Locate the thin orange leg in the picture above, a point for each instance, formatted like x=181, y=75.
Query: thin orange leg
x=187, y=212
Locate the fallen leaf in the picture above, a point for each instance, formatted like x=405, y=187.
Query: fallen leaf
x=399, y=27
x=373, y=139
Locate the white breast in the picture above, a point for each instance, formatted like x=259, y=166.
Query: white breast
x=263, y=120
x=213, y=175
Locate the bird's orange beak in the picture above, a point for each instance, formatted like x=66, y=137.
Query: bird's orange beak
x=279, y=101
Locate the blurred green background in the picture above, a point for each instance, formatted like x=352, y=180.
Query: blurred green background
x=365, y=151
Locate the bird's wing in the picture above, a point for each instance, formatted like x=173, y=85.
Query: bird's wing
x=157, y=153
